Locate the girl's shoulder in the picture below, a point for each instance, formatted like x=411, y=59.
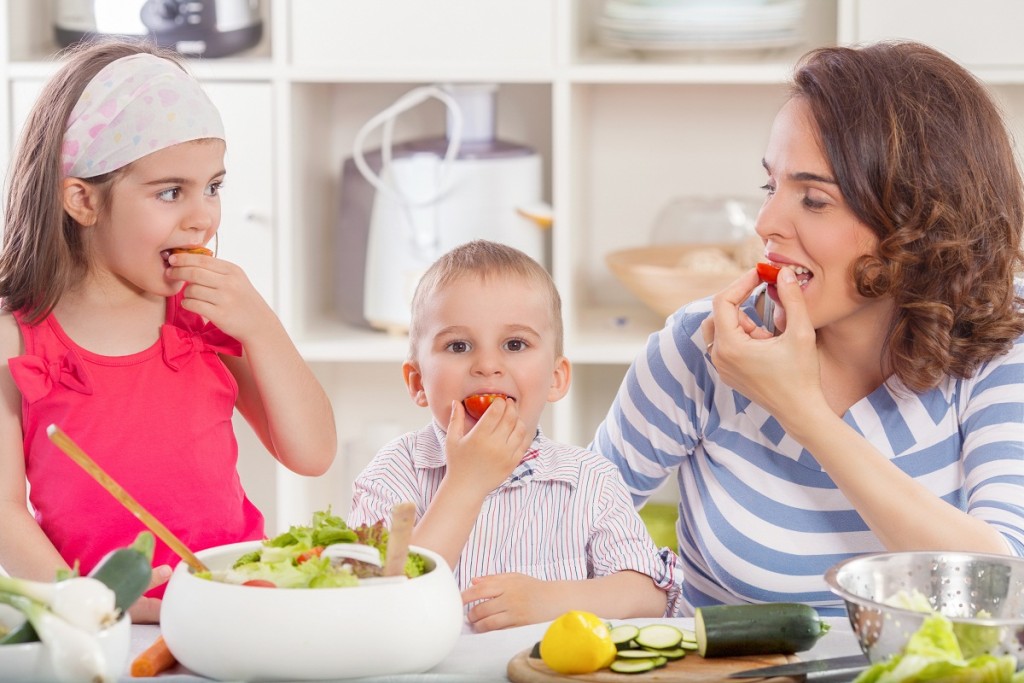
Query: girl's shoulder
x=11, y=343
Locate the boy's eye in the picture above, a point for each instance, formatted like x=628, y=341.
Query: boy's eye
x=515, y=345
x=458, y=347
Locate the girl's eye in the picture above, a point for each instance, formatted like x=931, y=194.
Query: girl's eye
x=170, y=194
x=458, y=347
x=213, y=189
x=515, y=345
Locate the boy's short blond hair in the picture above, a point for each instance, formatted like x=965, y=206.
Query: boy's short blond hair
x=484, y=259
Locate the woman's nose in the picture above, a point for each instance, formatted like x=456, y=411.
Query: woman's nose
x=770, y=220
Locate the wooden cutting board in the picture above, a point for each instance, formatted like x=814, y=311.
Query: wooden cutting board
x=692, y=669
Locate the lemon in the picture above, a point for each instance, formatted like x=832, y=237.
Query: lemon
x=577, y=643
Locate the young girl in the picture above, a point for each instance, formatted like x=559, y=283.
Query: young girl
x=138, y=353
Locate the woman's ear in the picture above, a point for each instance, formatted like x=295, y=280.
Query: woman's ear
x=560, y=379
x=81, y=201
x=414, y=383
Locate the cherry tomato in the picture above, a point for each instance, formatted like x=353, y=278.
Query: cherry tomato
x=260, y=583
x=478, y=403
x=309, y=554
x=768, y=273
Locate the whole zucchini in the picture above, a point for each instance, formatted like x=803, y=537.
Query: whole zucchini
x=769, y=628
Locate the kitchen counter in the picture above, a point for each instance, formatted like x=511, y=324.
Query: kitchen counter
x=483, y=657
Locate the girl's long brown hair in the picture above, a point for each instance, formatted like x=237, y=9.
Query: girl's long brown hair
x=922, y=155
x=43, y=254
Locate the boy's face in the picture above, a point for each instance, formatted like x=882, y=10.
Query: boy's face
x=487, y=336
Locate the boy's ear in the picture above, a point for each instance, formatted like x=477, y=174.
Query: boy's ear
x=414, y=383
x=81, y=201
x=560, y=380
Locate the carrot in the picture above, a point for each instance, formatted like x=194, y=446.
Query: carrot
x=153, y=660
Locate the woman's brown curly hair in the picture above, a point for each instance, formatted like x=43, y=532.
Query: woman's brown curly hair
x=922, y=155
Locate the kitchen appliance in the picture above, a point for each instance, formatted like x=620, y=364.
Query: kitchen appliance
x=195, y=28
x=404, y=205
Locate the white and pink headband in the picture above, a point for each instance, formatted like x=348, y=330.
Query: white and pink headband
x=135, y=106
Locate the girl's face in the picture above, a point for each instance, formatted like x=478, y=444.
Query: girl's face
x=167, y=199
x=806, y=224
x=493, y=335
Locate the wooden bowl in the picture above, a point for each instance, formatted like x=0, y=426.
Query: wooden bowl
x=655, y=275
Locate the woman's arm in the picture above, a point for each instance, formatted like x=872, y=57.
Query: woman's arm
x=783, y=375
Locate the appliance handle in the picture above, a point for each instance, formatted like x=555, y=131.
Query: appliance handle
x=386, y=119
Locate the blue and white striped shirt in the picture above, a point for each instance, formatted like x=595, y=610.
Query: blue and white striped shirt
x=563, y=514
x=759, y=521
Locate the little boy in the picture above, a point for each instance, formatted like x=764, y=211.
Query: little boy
x=531, y=528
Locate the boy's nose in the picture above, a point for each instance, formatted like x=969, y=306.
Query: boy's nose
x=487, y=364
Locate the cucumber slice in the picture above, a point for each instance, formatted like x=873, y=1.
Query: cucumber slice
x=673, y=653
x=687, y=645
x=636, y=654
x=632, y=666
x=660, y=662
x=623, y=634
x=688, y=635
x=659, y=636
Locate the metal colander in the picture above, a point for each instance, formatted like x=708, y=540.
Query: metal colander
x=983, y=595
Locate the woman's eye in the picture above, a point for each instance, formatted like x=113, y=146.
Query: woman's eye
x=515, y=345
x=169, y=195
x=768, y=188
x=458, y=347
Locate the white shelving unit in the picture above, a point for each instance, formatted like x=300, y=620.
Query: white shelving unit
x=621, y=136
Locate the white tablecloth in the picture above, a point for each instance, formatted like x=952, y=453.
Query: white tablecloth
x=483, y=657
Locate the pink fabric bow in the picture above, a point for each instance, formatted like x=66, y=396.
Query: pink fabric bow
x=36, y=378
x=181, y=345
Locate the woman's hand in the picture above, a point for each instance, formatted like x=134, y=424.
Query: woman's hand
x=779, y=372
x=481, y=459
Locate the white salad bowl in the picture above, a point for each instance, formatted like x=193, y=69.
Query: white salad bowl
x=30, y=662
x=249, y=633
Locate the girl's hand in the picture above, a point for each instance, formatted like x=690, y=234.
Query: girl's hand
x=219, y=291
x=147, y=610
x=507, y=600
x=777, y=372
x=483, y=458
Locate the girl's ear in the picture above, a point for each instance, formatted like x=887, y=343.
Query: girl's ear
x=414, y=383
x=560, y=379
x=81, y=201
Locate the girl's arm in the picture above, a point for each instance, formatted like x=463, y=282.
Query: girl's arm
x=516, y=599
x=277, y=392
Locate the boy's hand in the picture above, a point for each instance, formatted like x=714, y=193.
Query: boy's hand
x=485, y=456
x=510, y=600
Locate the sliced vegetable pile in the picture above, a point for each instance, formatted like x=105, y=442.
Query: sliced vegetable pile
x=297, y=558
x=68, y=614
x=580, y=642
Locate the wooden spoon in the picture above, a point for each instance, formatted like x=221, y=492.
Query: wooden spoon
x=64, y=442
x=403, y=517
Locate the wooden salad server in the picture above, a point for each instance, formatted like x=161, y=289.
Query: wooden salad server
x=403, y=517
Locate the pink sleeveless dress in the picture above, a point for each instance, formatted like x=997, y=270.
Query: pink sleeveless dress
x=158, y=421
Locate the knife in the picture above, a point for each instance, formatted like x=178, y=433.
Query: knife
x=813, y=669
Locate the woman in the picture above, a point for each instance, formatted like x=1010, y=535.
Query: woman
x=873, y=399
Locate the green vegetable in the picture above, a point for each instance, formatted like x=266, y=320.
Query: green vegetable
x=769, y=628
x=659, y=637
x=127, y=571
x=623, y=634
x=633, y=666
x=74, y=653
x=933, y=653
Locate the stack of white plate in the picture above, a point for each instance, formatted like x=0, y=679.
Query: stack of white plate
x=701, y=25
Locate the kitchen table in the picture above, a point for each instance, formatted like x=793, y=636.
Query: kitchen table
x=483, y=657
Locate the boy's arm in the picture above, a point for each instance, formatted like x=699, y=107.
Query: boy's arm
x=477, y=463
x=516, y=599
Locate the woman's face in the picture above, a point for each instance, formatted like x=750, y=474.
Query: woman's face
x=806, y=225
